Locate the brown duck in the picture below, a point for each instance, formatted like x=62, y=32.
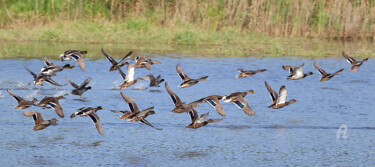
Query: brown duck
x=248, y=73
x=54, y=103
x=296, y=73
x=135, y=114
x=91, y=112
x=115, y=65
x=76, y=55
x=326, y=76
x=186, y=80
x=129, y=77
x=22, y=103
x=142, y=62
x=238, y=99
x=213, y=101
x=180, y=107
x=278, y=100
x=197, y=122
x=355, y=64
x=39, y=122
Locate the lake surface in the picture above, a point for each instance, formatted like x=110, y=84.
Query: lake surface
x=302, y=133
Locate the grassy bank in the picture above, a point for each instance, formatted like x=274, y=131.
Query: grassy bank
x=209, y=27
x=182, y=39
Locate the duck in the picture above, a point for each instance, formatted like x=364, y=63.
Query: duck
x=38, y=79
x=115, y=65
x=135, y=114
x=248, y=73
x=197, y=122
x=76, y=55
x=238, y=99
x=326, y=76
x=154, y=82
x=213, y=101
x=129, y=77
x=180, y=107
x=278, y=100
x=142, y=62
x=186, y=80
x=39, y=122
x=355, y=64
x=296, y=73
x=79, y=90
x=52, y=68
x=54, y=103
x=91, y=112
x=22, y=103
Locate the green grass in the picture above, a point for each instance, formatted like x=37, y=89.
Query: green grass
x=142, y=36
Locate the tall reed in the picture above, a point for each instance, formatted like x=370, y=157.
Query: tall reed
x=308, y=18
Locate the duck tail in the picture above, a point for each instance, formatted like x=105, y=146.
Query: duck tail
x=214, y=120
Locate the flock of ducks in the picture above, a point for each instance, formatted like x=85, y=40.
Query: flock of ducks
x=134, y=113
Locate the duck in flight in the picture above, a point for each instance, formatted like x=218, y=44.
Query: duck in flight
x=326, y=76
x=355, y=64
x=296, y=73
x=186, y=80
x=128, y=77
x=39, y=122
x=79, y=90
x=22, y=103
x=54, y=103
x=238, y=99
x=278, y=100
x=91, y=112
x=76, y=55
x=197, y=122
x=51, y=68
x=116, y=65
x=248, y=73
x=213, y=101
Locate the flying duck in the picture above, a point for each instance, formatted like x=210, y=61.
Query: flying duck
x=79, y=90
x=129, y=77
x=115, y=65
x=355, y=64
x=91, y=112
x=186, y=80
x=54, y=103
x=326, y=76
x=237, y=99
x=248, y=73
x=296, y=72
x=39, y=122
x=278, y=100
x=76, y=55
x=22, y=103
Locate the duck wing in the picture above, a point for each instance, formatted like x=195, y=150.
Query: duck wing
x=109, y=58
x=33, y=74
x=133, y=106
x=123, y=75
x=47, y=62
x=85, y=82
x=282, y=95
x=18, y=98
x=79, y=59
x=181, y=73
x=272, y=93
x=148, y=123
x=49, y=80
x=350, y=60
x=127, y=56
x=321, y=71
x=95, y=119
x=37, y=116
x=174, y=97
x=202, y=118
x=289, y=68
x=193, y=115
x=242, y=104
x=57, y=107
x=71, y=83
x=299, y=70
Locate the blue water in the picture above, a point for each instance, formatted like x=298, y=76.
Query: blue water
x=302, y=133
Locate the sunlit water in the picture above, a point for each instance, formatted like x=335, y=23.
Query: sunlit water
x=303, y=133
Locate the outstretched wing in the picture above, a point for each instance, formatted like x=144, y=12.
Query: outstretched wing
x=47, y=62
x=71, y=83
x=57, y=107
x=37, y=116
x=321, y=71
x=181, y=73
x=95, y=119
x=289, y=68
x=272, y=93
x=123, y=75
x=18, y=98
x=109, y=58
x=242, y=104
x=148, y=123
x=133, y=107
x=126, y=57
x=85, y=82
x=282, y=95
x=173, y=96
x=350, y=60
x=299, y=70
x=202, y=118
x=33, y=74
